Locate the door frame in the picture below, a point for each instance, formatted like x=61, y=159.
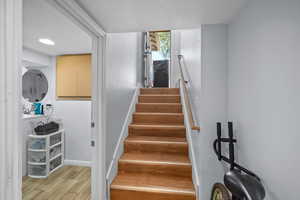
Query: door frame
x=11, y=21
x=175, y=51
x=79, y=16
x=10, y=99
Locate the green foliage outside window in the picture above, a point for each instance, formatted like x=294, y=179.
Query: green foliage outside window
x=165, y=43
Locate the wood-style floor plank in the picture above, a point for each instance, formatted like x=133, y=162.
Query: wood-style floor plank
x=67, y=183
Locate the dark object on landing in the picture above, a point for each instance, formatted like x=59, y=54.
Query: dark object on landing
x=46, y=129
x=244, y=185
x=219, y=192
x=161, y=73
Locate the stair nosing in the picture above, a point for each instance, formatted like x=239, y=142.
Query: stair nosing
x=154, y=142
x=158, y=95
x=175, y=104
x=160, y=88
x=157, y=125
x=156, y=113
x=155, y=189
x=156, y=162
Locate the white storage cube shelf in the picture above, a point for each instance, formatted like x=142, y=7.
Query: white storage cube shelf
x=45, y=154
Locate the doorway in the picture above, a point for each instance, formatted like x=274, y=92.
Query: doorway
x=159, y=48
x=11, y=119
x=70, y=179
x=56, y=100
x=161, y=55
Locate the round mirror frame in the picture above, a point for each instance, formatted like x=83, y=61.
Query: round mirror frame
x=34, y=85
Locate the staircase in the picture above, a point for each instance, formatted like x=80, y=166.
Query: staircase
x=155, y=164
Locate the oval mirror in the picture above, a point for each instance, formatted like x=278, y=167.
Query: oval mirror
x=35, y=85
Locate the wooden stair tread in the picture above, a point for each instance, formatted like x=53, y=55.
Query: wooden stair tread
x=158, y=118
x=162, y=130
x=150, y=144
x=162, y=104
x=155, y=139
x=159, y=90
x=157, y=126
x=159, y=98
x=153, y=113
x=156, y=157
x=156, y=164
x=160, y=95
x=153, y=183
x=159, y=107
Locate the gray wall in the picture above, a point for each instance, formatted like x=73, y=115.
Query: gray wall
x=76, y=118
x=213, y=102
x=209, y=95
x=264, y=95
x=122, y=69
x=190, y=48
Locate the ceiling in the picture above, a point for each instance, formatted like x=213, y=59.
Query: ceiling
x=41, y=20
x=141, y=15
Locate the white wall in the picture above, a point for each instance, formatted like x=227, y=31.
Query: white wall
x=76, y=115
x=213, y=104
x=263, y=92
x=209, y=87
x=175, y=51
x=36, y=59
x=190, y=48
x=124, y=61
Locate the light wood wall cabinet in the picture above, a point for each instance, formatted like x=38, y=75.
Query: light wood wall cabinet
x=73, y=77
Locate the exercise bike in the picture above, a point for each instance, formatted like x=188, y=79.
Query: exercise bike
x=241, y=182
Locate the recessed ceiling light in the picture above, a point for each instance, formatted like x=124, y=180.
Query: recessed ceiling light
x=47, y=41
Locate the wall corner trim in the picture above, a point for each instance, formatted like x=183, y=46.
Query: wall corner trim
x=11, y=17
x=78, y=15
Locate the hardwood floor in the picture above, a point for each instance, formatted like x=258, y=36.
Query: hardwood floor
x=155, y=164
x=67, y=183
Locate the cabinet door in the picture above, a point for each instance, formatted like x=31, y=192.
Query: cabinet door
x=73, y=77
x=66, y=77
x=84, y=76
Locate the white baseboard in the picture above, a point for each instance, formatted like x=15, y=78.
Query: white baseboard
x=78, y=163
x=113, y=167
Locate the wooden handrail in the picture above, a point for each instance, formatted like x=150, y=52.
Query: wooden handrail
x=192, y=121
